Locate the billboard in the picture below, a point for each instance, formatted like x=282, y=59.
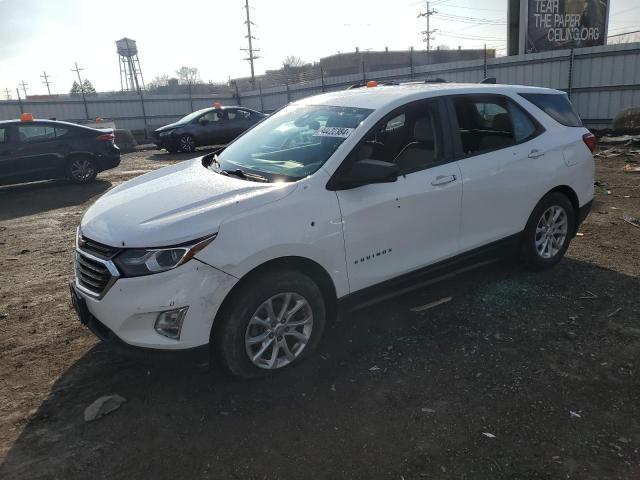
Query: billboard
x=556, y=24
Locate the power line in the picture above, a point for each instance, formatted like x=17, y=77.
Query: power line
x=465, y=19
x=626, y=10
x=46, y=81
x=474, y=8
x=470, y=37
x=621, y=34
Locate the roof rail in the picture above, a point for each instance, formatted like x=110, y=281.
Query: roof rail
x=364, y=84
x=489, y=80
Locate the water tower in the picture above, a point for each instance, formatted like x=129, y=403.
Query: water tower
x=130, y=71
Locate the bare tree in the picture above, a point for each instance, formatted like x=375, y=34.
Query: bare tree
x=158, y=81
x=188, y=75
x=293, y=61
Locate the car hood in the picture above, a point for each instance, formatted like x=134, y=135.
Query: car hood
x=171, y=126
x=173, y=205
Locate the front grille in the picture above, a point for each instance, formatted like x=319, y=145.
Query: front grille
x=92, y=274
x=96, y=248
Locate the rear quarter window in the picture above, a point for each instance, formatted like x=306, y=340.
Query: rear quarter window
x=557, y=106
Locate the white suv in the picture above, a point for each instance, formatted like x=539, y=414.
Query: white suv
x=334, y=200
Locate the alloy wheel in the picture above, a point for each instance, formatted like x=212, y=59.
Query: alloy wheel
x=279, y=330
x=82, y=170
x=187, y=143
x=551, y=232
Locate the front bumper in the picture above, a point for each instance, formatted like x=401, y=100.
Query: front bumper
x=129, y=309
x=164, y=142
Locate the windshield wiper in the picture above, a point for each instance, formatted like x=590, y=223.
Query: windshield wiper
x=214, y=163
x=245, y=175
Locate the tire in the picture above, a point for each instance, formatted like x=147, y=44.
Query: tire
x=548, y=232
x=81, y=169
x=187, y=144
x=247, y=328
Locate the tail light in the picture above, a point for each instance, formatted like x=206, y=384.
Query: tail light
x=590, y=141
x=107, y=137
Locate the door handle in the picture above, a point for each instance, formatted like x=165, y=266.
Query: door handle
x=443, y=180
x=535, y=153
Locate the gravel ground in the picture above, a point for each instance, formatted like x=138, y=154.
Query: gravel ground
x=519, y=376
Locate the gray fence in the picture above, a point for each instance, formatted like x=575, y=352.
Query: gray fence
x=600, y=80
x=128, y=111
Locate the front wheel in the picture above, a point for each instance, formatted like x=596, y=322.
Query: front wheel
x=187, y=144
x=81, y=170
x=548, y=232
x=273, y=321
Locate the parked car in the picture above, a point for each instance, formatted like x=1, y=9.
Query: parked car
x=211, y=126
x=249, y=252
x=45, y=149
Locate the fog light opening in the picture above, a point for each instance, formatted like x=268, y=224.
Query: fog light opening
x=169, y=323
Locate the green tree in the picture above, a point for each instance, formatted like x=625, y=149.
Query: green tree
x=75, y=88
x=88, y=87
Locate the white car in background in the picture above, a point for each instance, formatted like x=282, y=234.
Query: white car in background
x=249, y=252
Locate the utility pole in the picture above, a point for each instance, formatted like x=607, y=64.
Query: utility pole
x=84, y=98
x=24, y=88
x=46, y=81
x=7, y=93
x=250, y=50
x=20, y=101
x=428, y=32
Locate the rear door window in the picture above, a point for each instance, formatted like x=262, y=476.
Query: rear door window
x=36, y=133
x=523, y=126
x=491, y=122
x=237, y=114
x=484, y=123
x=557, y=106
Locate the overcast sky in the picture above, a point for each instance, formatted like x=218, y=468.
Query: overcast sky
x=51, y=35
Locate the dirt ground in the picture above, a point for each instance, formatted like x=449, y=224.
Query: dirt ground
x=519, y=376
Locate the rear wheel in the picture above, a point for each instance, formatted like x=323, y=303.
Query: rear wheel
x=548, y=231
x=187, y=144
x=272, y=322
x=82, y=170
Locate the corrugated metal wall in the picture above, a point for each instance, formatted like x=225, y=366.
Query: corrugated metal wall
x=601, y=81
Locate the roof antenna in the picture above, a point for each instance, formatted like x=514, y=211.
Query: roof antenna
x=489, y=80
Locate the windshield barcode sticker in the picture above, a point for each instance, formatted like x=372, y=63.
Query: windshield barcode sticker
x=338, y=132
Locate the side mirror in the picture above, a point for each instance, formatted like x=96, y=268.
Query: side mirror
x=364, y=172
x=203, y=121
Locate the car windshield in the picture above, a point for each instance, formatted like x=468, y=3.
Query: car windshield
x=291, y=144
x=192, y=116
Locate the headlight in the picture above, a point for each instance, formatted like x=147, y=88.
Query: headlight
x=164, y=134
x=142, y=261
